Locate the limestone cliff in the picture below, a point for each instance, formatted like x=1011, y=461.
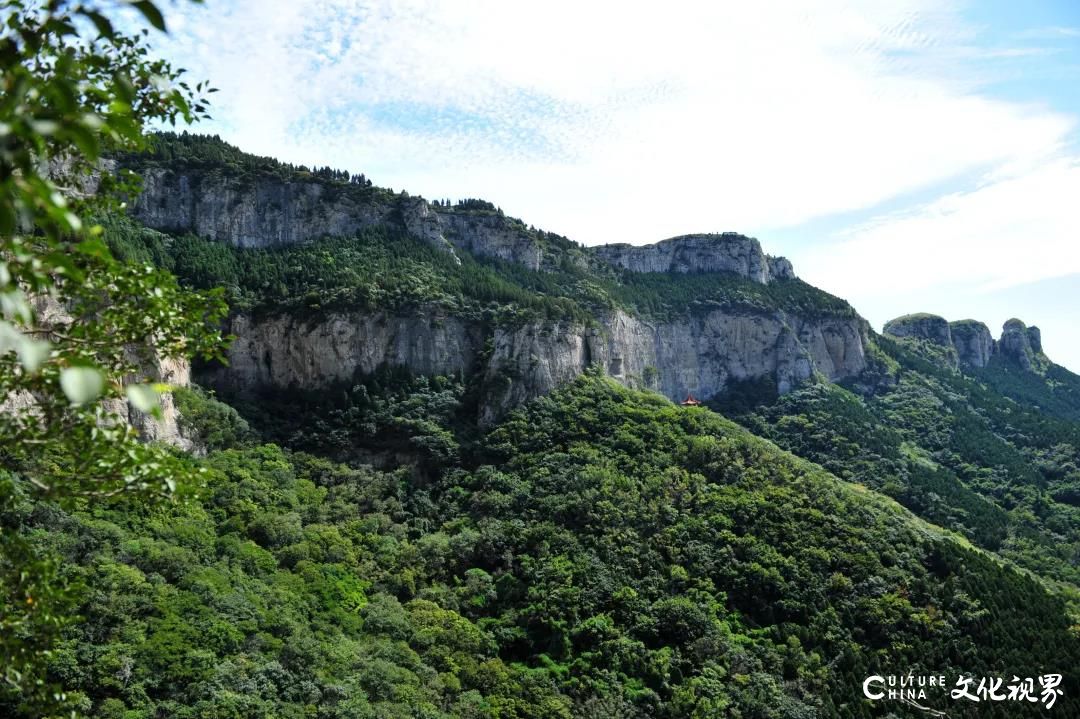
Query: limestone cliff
x=703, y=351
x=253, y=212
x=699, y=354
x=728, y=252
x=702, y=354
x=175, y=372
x=921, y=326
x=971, y=342
x=266, y=210
x=1022, y=345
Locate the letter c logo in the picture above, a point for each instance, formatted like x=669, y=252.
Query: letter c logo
x=866, y=687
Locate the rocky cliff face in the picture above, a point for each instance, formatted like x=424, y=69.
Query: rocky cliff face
x=699, y=354
x=1022, y=345
x=285, y=350
x=971, y=340
x=175, y=372
x=728, y=252
x=921, y=326
x=251, y=213
x=267, y=211
x=702, y=353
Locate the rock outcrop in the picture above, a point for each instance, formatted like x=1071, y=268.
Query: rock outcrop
x=285, y=350
x=253, y=212
x=699, y=354
x=921, y=326
x=728, y=252
x=971, y=341
x=1022, y=345
x=702, y=352
x=166, y=428
x=175, y=372
x=264, y=211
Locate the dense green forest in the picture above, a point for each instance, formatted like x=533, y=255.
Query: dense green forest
x=366, y=550
x=952, y=448
x=369, y=550
x=602, y=553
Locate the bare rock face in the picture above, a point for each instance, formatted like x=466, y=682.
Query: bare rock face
x=174, y=372
x=263, y=210
x=973, y=342
x=422, y=221
x=728, y=252
x=493, y=236
x=268, y=211
x=921, y=326
x=699, y=354
x=1022, y=344
x=288, y=351
x=703, y=352
x=480, y=234
x=252, y=213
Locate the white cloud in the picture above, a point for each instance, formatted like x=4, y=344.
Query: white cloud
x=1011, y=231
x=613, y=121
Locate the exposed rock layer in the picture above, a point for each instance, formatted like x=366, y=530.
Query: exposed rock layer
x=263, y=211
x=700, y=253
x=971, y=340
x=699, y=354
x=175, y=372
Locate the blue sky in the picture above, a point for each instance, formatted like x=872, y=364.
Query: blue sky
x=909, y=156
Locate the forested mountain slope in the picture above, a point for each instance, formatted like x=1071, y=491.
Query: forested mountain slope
x=602, y=553
x=445, y=477
x=991, y=451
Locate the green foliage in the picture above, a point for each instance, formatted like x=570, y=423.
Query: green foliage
x=209, y=423
x=382, y=268
x=668, y=294
x=188, y=151
x=1056, y=391
x=601, y=553
x=388, y=413
x=953, y=448
x=76, y=324
x=291, y=587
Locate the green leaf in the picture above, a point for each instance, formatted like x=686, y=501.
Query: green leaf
x=100, y=22
x=151, y=13
x=142, y=397
x=13, y=305
x=9, y=337
x=32, y=353
x=82, y=384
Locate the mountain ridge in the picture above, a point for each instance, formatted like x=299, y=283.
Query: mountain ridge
x=523, y=527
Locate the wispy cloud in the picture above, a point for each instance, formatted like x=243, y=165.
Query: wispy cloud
x=1051, y=33
x=1008, y=232
x=606, y=121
